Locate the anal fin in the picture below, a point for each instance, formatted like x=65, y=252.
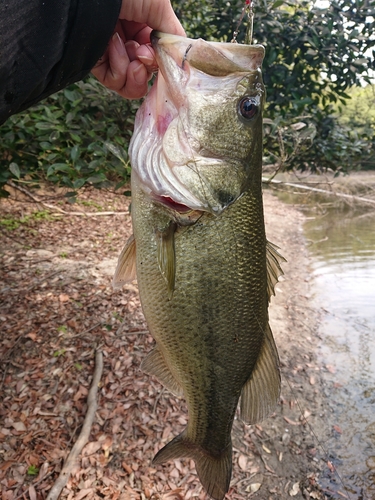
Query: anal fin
x=261, y=392
x=126, y=265
x=155, y=364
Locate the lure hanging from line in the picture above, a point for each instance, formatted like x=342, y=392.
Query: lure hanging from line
x=247, y=9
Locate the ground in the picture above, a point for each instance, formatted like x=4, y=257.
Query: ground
x=58, y=307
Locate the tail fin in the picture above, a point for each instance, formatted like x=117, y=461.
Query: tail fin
x=214, y=472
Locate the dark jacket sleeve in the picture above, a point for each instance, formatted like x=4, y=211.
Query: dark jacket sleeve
x=47, y=44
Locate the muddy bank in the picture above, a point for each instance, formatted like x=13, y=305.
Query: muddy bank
x=57, y=306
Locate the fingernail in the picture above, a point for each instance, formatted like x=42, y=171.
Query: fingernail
x=146, y=60
x=139, y=74
x=119, y=44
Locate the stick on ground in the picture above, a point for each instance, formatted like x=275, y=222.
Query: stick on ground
x=85, y=432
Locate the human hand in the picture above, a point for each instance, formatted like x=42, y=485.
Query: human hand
x=128, y=63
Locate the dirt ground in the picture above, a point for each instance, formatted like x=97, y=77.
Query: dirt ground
x=58, y=307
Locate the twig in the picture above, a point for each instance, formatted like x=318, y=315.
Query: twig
x=43, y=279
x=86, y=331
x=317, y=190
x=12, y=238
x=84, y=434
x=58, y=209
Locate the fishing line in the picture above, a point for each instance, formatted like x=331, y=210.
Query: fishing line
x=247, y=9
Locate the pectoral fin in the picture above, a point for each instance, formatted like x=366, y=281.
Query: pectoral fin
x=274, y=270
x=261, y=392
x=166, y=256
x=125, y=270
x=155, y=364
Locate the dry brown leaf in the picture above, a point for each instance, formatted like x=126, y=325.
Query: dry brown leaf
x=294, y=490
x=19, y=426
x=174, y=495
x=291, y=422
x=91, y=448
x=331, y=368
x=253, y=487
x=83, y=493
x=242, y=462
x=32, y=492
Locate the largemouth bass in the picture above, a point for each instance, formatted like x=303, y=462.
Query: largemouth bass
x=204, y=267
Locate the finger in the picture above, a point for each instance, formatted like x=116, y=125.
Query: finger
x=158, y=15
x=111, y=71
x=134, y=31
x=136, y=81
x=118, y=63
x=131, y=49
x=146, y=55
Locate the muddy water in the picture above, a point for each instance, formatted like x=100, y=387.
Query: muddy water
x=342, y=246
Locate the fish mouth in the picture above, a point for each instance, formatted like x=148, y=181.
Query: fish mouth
x=212, y=58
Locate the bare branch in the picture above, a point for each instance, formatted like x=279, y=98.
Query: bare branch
x=60, y=210
x=84, y=434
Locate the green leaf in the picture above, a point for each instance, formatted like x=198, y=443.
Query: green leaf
x=14, y=168
x=58, y=167
x=33, y=470
x=78, y=183
x=74, y=153
x=277, y=4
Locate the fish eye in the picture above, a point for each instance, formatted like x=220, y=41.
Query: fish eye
x=248, y=107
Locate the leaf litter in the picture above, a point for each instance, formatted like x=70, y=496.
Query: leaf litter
x=58, y=307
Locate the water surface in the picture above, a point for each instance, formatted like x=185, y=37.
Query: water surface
x=342, y=246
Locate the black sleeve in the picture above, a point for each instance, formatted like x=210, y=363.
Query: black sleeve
x=47, y=44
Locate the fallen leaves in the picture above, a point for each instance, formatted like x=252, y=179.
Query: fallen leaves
x=57, y=304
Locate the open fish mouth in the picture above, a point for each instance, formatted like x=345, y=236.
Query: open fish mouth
x=169, y=150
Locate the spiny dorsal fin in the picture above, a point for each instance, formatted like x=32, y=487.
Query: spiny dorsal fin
x=125, y=270
x=274, y=270
x=261, y=392
x=166, y=256
x=214, y=472
x=154, y=364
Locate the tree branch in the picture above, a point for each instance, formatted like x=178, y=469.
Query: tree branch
x=84, y=434
x=58, y=209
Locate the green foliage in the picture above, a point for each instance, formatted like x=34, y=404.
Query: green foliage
x=76, y=137
x=38, y=216
x=314, y=56
x=33, y=470
x=358, y=114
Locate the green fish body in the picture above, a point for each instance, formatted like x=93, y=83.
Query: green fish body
x=204, y=267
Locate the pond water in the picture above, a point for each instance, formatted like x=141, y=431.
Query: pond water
x=342, y=247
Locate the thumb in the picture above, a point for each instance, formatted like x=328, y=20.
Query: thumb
x=157, y=14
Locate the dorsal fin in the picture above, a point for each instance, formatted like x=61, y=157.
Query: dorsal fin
x=274, y=270
x=125, y=270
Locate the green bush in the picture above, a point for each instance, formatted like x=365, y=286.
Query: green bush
x=78, y=136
